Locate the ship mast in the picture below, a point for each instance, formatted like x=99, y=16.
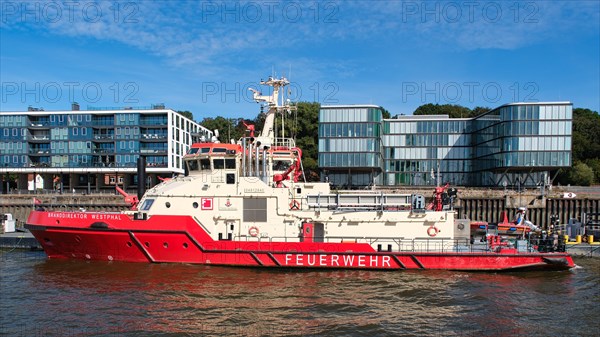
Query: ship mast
x=267, y=136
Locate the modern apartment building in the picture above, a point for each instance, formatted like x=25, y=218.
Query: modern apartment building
x=514, y=144
x=92, y=149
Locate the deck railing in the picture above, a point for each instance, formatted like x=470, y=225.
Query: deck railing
x=433, y=245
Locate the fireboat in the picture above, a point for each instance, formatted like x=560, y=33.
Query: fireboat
x=245, y=203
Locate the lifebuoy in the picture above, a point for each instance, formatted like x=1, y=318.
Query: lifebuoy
x=432, y=231
x=253, y=231
x=294, y=205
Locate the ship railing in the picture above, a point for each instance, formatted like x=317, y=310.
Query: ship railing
x=269, y=239
x=399, y=244
x=288, y=143
x=360, y=201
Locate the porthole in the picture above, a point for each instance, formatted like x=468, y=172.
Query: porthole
x=195, y=204
x=165, y=244
x=185, y=245
x=147, y=244
x=128, y=244
x=168, y=204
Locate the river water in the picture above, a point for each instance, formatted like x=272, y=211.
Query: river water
x=41, y=297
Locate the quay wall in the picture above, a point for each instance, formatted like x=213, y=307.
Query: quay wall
x=19, y=205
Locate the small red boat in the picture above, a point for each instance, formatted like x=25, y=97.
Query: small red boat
x=245, y=204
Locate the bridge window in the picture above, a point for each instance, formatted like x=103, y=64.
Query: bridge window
x=230, y=163
x=204, y=164
x=219, y=164
x=147, y=204
x=193, y=165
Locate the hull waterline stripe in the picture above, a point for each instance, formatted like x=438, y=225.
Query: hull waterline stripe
x=256, y=258
x=398, y=262
x=141, y=247
x=274, y=259
x=414, y=258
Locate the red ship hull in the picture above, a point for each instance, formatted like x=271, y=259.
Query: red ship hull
x=180, y=239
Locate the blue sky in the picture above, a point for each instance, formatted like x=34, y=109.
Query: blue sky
x=201, y=56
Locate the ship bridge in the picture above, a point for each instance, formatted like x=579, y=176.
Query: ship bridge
x=226, y=162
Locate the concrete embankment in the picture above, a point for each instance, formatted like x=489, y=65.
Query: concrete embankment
x=584, y=250
x=19, y=205
x=19, y=240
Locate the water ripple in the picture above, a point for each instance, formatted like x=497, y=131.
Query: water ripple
x=77, y=298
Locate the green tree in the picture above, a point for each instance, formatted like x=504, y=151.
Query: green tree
x=586, y=134
x=229, y=128
x=454, y=111
x=186, y=114
x=594, y=164
x=581, y=174
x=479, y=110
x=386, y=114
x=303, y=125
x=586, y=141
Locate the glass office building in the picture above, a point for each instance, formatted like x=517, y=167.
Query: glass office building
x=350, y=144
x=93, y=148
x=514, y=144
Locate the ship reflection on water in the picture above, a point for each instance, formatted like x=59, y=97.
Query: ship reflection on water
x=112, y=299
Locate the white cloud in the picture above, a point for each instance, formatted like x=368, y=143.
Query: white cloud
x=219, y=35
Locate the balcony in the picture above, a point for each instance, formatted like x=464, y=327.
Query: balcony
x=101, y=138
x=103, y=151
x=39, y=125
x=150, y=165
x=38, y=138
x=153, y=137
x=41, y=152
x=153, y=151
